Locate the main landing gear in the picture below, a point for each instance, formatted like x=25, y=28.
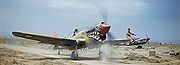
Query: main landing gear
x=74, y=54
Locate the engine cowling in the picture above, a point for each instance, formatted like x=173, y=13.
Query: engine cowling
x=104, y=28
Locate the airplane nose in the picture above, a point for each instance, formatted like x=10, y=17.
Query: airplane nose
x=104, y=28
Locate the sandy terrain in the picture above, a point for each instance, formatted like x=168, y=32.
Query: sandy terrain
x=22, y=55
x=28, y=52
x=13, y=57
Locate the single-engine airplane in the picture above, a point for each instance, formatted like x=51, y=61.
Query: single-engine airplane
x=90, y=38
x=80, y=39
x=128, y=42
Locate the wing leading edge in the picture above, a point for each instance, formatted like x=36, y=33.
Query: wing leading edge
x=47, y=39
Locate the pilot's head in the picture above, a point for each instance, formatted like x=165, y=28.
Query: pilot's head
x=76, y=30
x=102, y=22
x=129, y=28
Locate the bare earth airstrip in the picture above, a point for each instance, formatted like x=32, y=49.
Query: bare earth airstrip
x=14, y=51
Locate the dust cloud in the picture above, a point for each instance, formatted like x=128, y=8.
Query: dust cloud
x=105, y=53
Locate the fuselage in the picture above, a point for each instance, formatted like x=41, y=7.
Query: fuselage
x=92, y=38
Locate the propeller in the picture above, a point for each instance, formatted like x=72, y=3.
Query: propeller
x=110, y=36
x=104, y=15
x=147, y=39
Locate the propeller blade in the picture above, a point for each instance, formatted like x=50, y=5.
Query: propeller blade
x=110, y=36
x=103, y=12
x=147, y=39
x=147, y=36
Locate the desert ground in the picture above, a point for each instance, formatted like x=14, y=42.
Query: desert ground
x=18, y=51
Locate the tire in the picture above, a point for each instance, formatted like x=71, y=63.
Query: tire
x=74, y=55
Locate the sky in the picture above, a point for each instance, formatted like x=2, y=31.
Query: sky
x=159, y=19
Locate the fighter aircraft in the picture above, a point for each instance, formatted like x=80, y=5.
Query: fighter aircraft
x=90, y=38
x=80, y=39
x=128, y=42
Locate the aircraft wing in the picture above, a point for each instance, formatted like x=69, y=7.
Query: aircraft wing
x=45, y=38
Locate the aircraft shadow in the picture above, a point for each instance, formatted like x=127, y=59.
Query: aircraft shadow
x=52, y=58
x=46, y=58
x=79, y=58
x=59, y=54
x=83, y=58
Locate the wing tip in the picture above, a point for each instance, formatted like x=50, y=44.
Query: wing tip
x=14, y=33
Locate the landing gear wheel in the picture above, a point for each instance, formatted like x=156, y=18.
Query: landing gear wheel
x=74, y=55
